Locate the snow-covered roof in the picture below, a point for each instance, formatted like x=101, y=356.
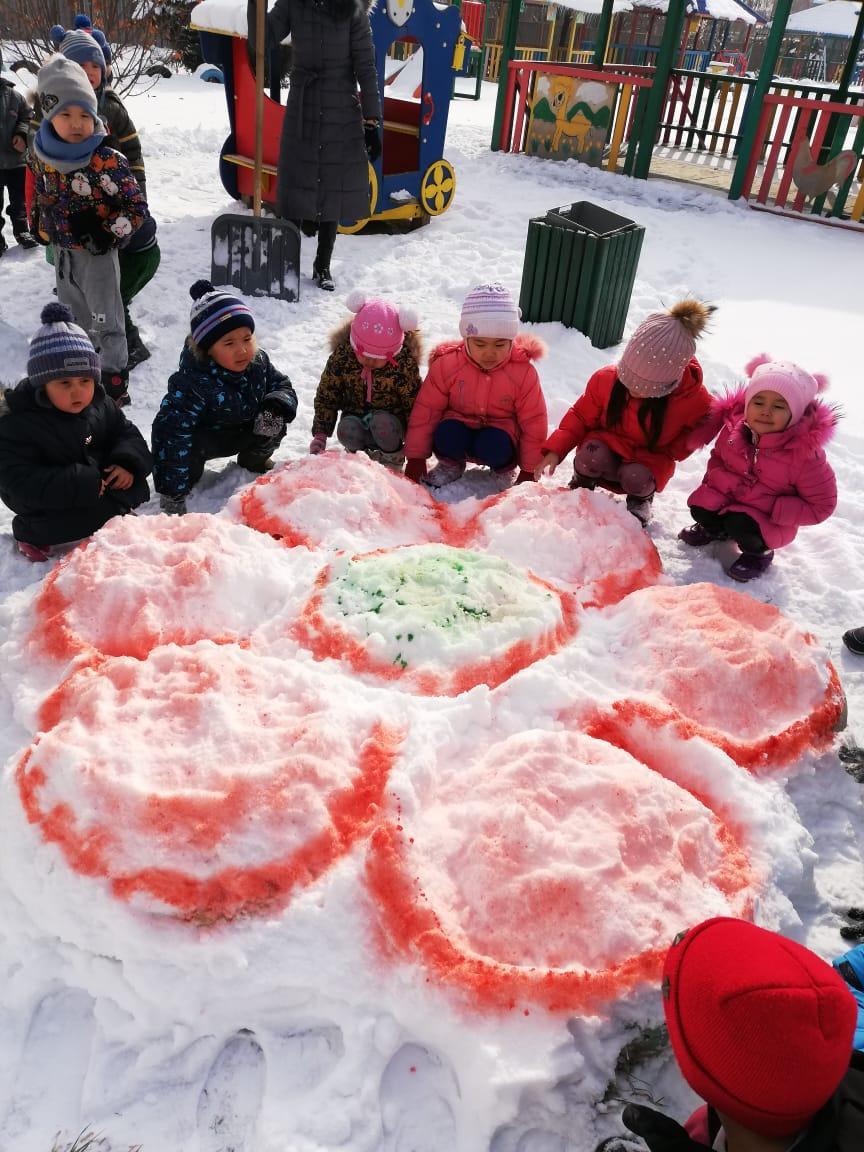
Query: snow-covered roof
x=716, y=9
x=595, y=7
x=222, y=16
x=835, y=18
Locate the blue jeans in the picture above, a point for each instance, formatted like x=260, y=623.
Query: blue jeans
x=454, y=440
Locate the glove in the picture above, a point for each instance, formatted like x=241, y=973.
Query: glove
x=88, y=231
x=415, y=469
x=319, y=443
x=661, y=1133
x=282, y=401
x=524, y=477
x=173, y=505
x=268, y=424
x=372, y=136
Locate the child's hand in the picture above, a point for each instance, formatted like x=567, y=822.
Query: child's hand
x=318, y=444
x=117, y=477
x=19, y=143
x=547, y=465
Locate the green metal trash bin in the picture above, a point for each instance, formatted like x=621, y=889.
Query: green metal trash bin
x=580, y=266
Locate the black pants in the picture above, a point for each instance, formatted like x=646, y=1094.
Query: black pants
x=12, y=180
x=738, y=526
x=61, y=525
x=215, y=445
x=326, y=232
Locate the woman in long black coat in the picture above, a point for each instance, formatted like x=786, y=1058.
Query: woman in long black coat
x=328, y=131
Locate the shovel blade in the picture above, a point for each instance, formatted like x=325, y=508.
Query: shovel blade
x=260, y=255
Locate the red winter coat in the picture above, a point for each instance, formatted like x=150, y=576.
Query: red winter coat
x=782, y=480
x=510, y=398
x=688, y=406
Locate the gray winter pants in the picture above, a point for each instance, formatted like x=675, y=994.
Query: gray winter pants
x=381, y=430
x=598, y=462
x=90, y=286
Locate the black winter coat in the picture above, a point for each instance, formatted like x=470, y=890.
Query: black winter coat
x=14, y=118
x=323, y=168
x=51, y=465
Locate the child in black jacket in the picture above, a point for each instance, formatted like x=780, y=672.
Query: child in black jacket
x=69, y=459
x=226, y=398
x=14, y=118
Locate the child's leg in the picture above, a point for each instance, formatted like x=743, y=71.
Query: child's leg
x=69, y=290
x=707, y=528
x=99, y=280
x=353, y=434
x=452, y=440
x=597, y=461
x=17, y=210
x=638, y=484
x=494, y=448
x=386, y=431
x=755, y=556
x=137, y=269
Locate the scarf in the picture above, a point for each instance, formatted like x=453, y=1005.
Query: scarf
x=59, y=154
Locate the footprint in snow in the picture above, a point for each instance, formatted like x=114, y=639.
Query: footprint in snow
x=230, y=1101
x=418, y=1095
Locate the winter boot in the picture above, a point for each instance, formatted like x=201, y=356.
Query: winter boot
x=388, y=459
x=254, y=461
x=445, y=472
x=116, y=387
x=3, y=244
x=580, y=481
x=641, y=507
x=34, y=552
x=25, y=238
x=323, y=278
x=854, y=640
x=749, y=565
x=138, y=350
x=697, y=536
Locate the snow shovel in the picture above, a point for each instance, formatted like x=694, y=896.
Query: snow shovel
x=259, y=255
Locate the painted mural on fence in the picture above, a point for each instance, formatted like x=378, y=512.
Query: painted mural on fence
x=570, y=119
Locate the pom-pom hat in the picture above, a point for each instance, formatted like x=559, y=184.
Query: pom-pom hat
x=378, y=328
x=797, y=387
x=653, y=361
x=760, y=1026
x=62, y=83
x=214, y=314
x=60, y=349
x=83, y=49
x=489, y=311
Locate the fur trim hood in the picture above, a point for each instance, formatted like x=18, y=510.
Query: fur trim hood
x=525, y=347
x=341, y=338
x=812, y=432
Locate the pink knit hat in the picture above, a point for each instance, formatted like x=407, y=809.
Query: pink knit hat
x=489, y=311
x=797, y=387
x=653, y=361
x=378, y=328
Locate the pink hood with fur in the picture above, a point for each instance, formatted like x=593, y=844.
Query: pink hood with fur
x=782, y=480
x=510, y=398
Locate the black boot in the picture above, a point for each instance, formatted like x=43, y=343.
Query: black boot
x=138, y=351
x=25, y=238
x=323, y=278
x=641, y=507
x=3, y=244
x=580, y=481
x=116, y=386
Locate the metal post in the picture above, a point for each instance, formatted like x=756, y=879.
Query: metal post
x=657, y=94
x=508, y=50
x=603, y=30
x=757, y=95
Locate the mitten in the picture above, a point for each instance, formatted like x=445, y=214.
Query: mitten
x=524, y=477
x=88, y=232
x=372, y=136
x=415, y=469
x=268, y=424
x=661, y=1133
x=283, y=401
x=318, y=444
x=173, y=505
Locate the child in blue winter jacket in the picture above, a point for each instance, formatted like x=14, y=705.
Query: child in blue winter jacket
x=225, y=398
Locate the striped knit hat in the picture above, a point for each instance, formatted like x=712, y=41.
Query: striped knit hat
x=489, y=311
x=60, y=349
x=83, y=49
x=215, y=314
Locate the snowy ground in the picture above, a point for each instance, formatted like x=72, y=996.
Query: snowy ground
x=329, y=1020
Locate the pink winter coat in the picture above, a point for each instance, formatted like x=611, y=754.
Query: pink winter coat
x=510, y=398
x=782, y=480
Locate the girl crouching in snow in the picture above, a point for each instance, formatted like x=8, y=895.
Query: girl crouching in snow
x=767, y=474
x=631, y=425
x=481, y=400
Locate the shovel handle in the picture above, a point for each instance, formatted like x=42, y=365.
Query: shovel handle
x=260, y=33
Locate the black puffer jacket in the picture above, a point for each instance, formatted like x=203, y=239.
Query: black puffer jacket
x=323, y=168
x=51, y=465
x=14, y=118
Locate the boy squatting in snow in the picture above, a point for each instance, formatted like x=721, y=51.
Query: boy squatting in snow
x=767, y=474
x=481, y=399
x=225, y=398
x=372, y=377
x=631, y=425
x=86, y=201
x=69, y=459
x=762, y=1030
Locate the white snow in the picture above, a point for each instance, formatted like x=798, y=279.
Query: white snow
x=255, y=895
x=834, y=18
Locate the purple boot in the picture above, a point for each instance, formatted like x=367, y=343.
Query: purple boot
x=697, y=536
x=749, y=565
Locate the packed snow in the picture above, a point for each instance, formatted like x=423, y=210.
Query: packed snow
x=436, y=920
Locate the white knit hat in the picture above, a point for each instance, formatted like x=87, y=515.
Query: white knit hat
x=489, y=311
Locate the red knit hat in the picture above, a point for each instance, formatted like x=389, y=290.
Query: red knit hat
x=760, y=1026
